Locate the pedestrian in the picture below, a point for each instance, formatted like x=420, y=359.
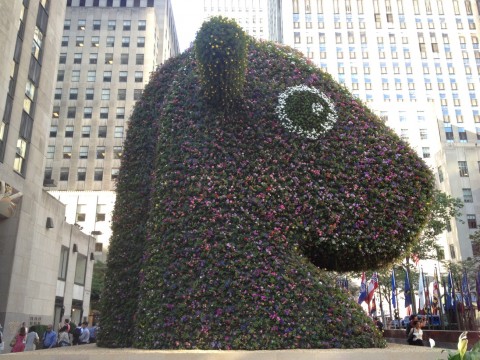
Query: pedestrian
x=49, y=338
x=63, y=337
x=416, y=334
x=67, y=324
x=93, y=333
x=378, y=323
x=76, y=333
x=85, y=337
x=19, y=341
x=32, y=339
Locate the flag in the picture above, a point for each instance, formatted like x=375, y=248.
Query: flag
x=421, y=292
x=373, y=307
x=394, y=290
x=477, y=282
x=466, y=290
x=407, y=291
x=363, y=290
x=450, y=304
x=372, y=285
x=436, y=294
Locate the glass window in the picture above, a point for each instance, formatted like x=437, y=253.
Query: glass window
x=91, y=76
x=102, y=131
x=141, y=42
x=63, y=265
x=100, y=152
x=80, y=270
x=122, y=94
x=467, y=195
x=87, y=112
x=67, y=152
x=107, y=76
x=110, y=41
x=81, y=174
x=93, y=58
x=83, y=152
x=98, y=174
x=472, y=221
x=96, y=24
x=71, y=112
x=79, y=41
x=66, y=24
x=109, y=58
x=120, y=113
x=81, y=24
x=124, y=59
x=126, y=25
x=58, y=94
x=50, y=151
x=114, y=173
x=139, y=59
x=64, y=173
x=95, y=41
x=138, y=76
x=118, y=132
x=426, y=152
x=122, y=76
x=125, y=41
x=104, y=113
x=69, y=131
x=111, y=25
x=77, y=58
x=105, y=94
x=86, y=131
x=75, y=76
x=117, y=152
x=142, y=25
x=463, y=168
x=73, y=94
x=89, y=92
x=53, y=130
x=63, y=58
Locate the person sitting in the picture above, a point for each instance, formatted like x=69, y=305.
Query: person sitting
x=416, y=334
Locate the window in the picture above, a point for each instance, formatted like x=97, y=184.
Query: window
x=109, y=58
x=122, y=76
x=69, y=131
x=138, y=76
x=91, y=75
x=98, y=247
x=64, y=40
x=462, y=135
x=142, y=25
x=63, y=265
x=87, y=112
x=81, y=212
x=467, y=195
x=140, y=42
x=50, y=152
x=71, y=112
x=77, y=58
x=114, y=174
x=63, y=58
x=93, y=58
x=89, y=92
x=75, y=76
x=107, y=76
x=126, y=41
x=96, y=24
x=425, y=152
x=66, y=24
x=122, y=94
x=124, y=59
x=83, y=152
x=80, y=270
x=95, y=41
x=137, y=94
x=110, y=41
x=53, y=131
x=64, y=174
x=58, y=94
x=102, y=131
x=67, y=152
x=81, y=174
x=86, y=131
x=463, y=168
x=79, y=41
x=452, y=251
x=73, y=94
x=120, y=113
x=111, y=25
x=105, y=94
x=117, y=152
x=423, y=134
x=104, y=113
x=60, y=75
x=98, y=174
x=81, y=24
x=472, y=221
x=139, y=59
x=100, y=152
x=118, y=132
x=126, y=25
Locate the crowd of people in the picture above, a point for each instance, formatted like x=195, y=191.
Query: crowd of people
x=27, y=339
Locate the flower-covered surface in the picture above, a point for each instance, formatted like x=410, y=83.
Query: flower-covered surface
x=226, y=222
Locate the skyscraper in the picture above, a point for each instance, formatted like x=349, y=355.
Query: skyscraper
x=108, y=50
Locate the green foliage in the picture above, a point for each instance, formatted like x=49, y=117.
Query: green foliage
x=98, y=281
x=224, y=221
x=221, y=52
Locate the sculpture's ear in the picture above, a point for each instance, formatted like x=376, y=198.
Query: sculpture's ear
x=221, y=52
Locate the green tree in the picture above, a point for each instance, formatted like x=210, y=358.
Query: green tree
x=98, y=279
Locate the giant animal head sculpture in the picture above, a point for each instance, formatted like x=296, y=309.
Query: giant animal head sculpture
x=247, y=173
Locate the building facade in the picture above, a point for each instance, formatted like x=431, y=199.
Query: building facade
x=108, y=50
x=44, y=271
x=417, y=64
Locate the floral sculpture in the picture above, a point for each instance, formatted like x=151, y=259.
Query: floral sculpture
x=233, y=200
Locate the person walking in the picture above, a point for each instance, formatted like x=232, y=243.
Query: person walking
x=19, y=345
x=32, y=339
x=85, y=337
x=49, y=338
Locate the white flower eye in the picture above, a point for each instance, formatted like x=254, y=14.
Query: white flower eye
x=306, y=111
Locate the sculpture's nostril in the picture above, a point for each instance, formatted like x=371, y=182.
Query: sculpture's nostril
x=221, y=52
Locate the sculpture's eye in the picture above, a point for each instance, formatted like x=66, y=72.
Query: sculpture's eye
x=306, y=111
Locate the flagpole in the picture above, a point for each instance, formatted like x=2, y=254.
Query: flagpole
x=440, y=307
x=381, y=301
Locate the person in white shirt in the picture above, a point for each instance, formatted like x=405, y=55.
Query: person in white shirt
x=85, y=337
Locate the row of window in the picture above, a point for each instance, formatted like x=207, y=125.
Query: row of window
x=92, y=76
x=418, y=8
x=86, y=131
x=109, y=41
x=81, y=175
x=111, y=25
x=108, y=59
x=88, y=112
x=109, y=3
x=90, y=95
x=83, y=152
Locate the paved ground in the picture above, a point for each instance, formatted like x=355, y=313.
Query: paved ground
x=91, y=352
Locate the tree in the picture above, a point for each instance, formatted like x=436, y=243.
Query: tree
x=98, y=278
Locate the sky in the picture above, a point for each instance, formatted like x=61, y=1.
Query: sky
x=188, y=18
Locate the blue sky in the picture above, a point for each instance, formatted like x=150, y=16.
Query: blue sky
x=188, y=18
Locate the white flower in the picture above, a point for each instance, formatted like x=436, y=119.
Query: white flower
x=317, y=109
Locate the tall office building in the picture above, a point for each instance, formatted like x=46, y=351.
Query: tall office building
x=45, y=266
x=417, y=64
x=108, y=50
x=251, y=15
